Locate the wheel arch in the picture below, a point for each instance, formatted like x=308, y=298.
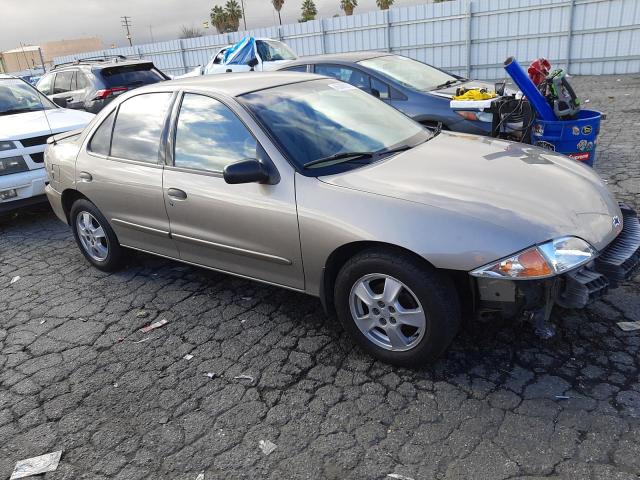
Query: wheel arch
x=69, y=197
x=343, y=253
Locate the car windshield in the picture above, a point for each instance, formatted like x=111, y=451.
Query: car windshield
x=408, y=72
x=271, y=50
x=320, y=119
x=17, y=96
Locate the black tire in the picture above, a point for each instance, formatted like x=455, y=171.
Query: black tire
x=115, y=253
x=434, y=290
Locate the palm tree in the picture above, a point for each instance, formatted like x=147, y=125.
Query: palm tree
x=348, y=6
x=309, y=11
x=219, y=18
x=384, y=4
x=277, y=4
x=234, y=14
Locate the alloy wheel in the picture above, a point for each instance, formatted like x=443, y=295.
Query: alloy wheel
x=92, y=236
x=387, y=312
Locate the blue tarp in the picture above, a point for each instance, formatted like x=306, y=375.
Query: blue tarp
x=241, y=52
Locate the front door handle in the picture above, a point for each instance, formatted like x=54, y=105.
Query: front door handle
x=69, y=99
x=177, y=194
x=85, y=176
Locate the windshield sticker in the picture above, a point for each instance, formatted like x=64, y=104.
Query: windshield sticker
x=341, y=86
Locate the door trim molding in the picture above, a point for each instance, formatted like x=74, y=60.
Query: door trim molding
x=141, y=228
x=239, y=251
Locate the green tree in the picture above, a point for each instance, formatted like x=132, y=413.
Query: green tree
x=277, y=4
x=309, y=11
x=219, y=18
x=348, y=6
x=384, y=4
x=234, y=15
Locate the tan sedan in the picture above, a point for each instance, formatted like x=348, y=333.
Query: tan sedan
x=311, y=184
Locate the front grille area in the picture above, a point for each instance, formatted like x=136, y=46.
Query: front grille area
x=33, y=141
x=37, y=157
x=619, y=261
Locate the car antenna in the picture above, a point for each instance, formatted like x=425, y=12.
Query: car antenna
x=44, y=112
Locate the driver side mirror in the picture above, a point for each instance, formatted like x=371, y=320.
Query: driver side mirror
x=253, y=62
x=60, y=101
x=246, y=171
x=375, y=92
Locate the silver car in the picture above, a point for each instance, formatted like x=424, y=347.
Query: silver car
x=313, y=185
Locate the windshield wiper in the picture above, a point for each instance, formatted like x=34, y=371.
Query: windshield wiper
x=447, y=83
x=343, y=156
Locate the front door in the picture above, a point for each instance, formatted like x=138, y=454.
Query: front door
x=248, y=229
x=122, y=175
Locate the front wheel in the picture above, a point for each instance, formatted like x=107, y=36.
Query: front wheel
x=95, y=237
x=397, y=310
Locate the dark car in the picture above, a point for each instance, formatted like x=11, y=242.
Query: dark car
x=90, y=84
x=420, y=91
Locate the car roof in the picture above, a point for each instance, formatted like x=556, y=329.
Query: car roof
x=233, y=84
x=6, y=76
x=350, y=57
x=93, y=63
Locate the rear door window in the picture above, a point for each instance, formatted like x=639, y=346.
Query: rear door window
x=101, y=141
x=138, y=127
x=63, y=81
x=131, y=75
x=346, y=74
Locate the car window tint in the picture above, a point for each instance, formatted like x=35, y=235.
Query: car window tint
x=381, y=87
x=297, y=68
x=81, y=81
x=101, y=140
x=138, y=127
x=209, y=136
x=63, y=82
x=45, y=84
x=345, y=74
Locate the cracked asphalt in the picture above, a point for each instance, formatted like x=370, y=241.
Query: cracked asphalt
x=77, y=375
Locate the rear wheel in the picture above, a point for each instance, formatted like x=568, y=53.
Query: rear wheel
x=95, y=237
x=400, y=312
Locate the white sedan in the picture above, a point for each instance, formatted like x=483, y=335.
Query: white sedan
x=261, y=54
x=27, y=119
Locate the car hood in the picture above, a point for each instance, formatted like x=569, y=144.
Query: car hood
x=34, y=124
x=535, y=193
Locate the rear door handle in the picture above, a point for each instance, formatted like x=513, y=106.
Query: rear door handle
x=85, y=176
x=177, y=194
x=69, y=99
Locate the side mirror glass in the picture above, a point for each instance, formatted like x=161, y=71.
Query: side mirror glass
x=375, y=92
x=246, y=171
x=253, y=62
x=60, y=101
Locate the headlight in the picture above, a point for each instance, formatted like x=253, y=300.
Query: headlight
x=12, y=165
x=5, y=145
x=551, y=258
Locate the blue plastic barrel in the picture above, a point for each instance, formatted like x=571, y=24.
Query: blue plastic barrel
x=576, y=138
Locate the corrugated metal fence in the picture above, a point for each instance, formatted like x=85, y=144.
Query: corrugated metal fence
x=468, y=37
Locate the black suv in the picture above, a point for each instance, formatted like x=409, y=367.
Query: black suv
x=89, y=84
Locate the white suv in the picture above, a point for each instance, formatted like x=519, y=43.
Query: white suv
x=27, y=119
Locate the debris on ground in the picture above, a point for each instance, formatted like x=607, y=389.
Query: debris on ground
x=244, y=377
x=246, y=299
x=397, y=476
x=144, y=340
x=200, y=476
x=36, y=465
x=154, y=325
x=121, y=339
x=14, y=279
x=115, y=385
x=188, y=356
x=42, y=321
x=142, y=314
x=562, y=397
x=210, y=374
x=587, y=101
x=267, y=446
x=629, y=326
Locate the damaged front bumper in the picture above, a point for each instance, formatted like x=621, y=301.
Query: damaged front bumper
x=534, y=299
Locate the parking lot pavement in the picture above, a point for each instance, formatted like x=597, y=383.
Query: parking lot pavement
x=77, y=375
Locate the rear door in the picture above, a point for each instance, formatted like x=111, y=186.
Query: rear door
x=121, y=172
x=249, y=229
x=62, y=87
